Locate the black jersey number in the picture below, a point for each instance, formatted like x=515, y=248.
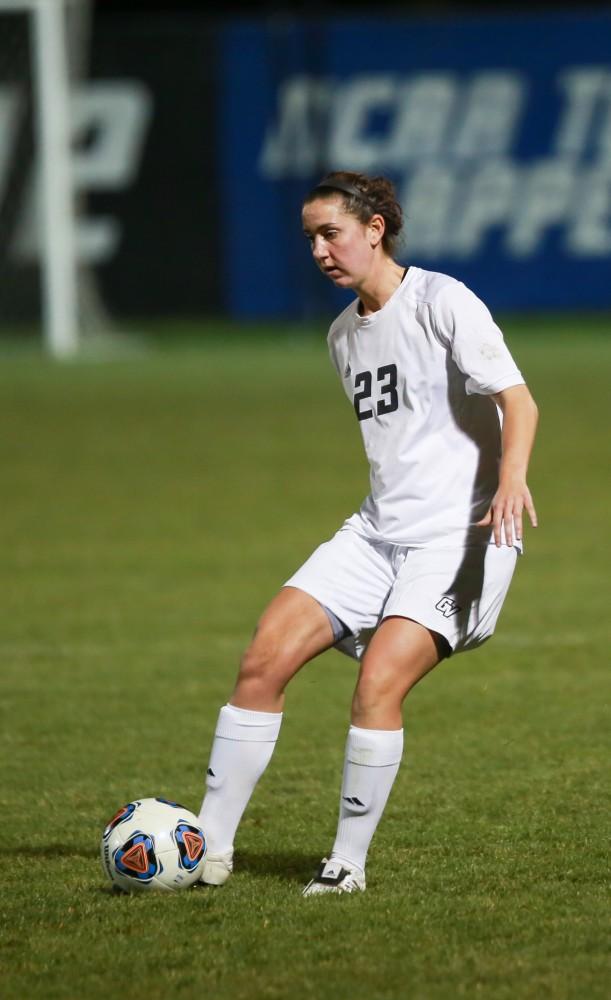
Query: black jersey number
x=388, y=389
x=387, y=376
x=362, y=382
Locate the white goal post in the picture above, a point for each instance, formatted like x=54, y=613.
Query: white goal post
x=57, y=208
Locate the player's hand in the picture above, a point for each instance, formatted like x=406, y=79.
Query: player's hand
x=508, y=504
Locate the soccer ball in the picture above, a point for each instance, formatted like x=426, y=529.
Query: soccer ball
x=153, y=844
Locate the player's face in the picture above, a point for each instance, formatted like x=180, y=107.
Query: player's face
x=342, y=247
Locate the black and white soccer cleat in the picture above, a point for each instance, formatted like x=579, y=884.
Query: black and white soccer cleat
x=217, y=868
x=334, y=877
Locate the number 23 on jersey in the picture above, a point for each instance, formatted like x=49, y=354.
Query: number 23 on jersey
x=387, y=397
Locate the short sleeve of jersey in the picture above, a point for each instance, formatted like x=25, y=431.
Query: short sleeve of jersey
x=336, y=338
x=465, y=326
x=333, y=351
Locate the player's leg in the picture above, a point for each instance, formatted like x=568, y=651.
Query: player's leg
x=400, y=653
x=292, y=630
x=441, y=601
x=297, y=626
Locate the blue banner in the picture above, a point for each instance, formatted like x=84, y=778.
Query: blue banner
x=496, y=132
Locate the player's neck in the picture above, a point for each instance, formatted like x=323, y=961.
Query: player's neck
x=379, y=287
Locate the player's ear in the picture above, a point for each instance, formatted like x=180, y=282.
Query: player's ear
x=377, y=227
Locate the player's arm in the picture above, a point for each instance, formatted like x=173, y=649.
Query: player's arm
x=520, y=416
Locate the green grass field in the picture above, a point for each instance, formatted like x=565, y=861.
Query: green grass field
x=150, y=508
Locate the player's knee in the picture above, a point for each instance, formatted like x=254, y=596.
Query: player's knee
x=377, y=690
x=256, y=661
x=263, y=666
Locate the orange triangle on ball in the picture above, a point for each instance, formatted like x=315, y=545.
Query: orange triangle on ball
x=194, y=844
x=135, y=859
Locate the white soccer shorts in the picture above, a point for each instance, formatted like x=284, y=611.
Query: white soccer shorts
x=457, y=592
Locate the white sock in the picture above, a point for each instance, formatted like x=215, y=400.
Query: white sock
x=371, y=764
x=243, y=744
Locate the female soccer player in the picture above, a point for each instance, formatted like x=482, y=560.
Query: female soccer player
x=422, y=570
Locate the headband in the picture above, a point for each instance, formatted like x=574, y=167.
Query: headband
x=348, y=189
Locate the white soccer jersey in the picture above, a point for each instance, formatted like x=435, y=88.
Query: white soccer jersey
x=420, y=372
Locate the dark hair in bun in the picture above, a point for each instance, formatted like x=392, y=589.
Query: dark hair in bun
x=363, y=197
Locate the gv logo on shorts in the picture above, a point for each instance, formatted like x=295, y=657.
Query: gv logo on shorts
x=448, y=607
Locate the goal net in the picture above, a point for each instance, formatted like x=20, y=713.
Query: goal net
x=43, y=58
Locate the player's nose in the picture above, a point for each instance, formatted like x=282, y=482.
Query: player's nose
x=319, y=251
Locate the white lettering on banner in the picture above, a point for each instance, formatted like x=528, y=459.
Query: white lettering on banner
x=118, y=113
x=429, y=192
x=295, y=147
x=492, y=104
x=545, y=198
x=353, y=107
x=452, y=140
x=590, y=233
x=110, y=122
x=424, y=106
x=587, y=95
x=488, y=201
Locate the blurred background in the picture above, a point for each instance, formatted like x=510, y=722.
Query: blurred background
x=195, y=134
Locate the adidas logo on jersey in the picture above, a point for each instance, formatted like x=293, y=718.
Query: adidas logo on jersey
x=347, y=370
